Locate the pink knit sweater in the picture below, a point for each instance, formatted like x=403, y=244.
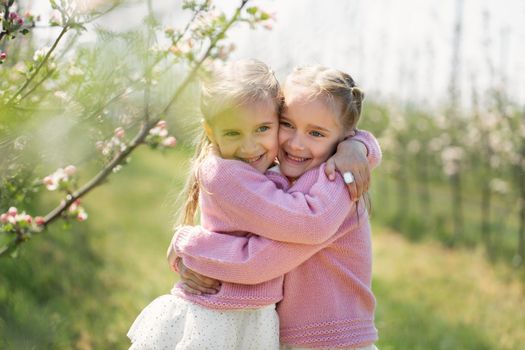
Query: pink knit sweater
x=315, y=237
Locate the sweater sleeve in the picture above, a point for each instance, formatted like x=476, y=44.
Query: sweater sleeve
x=253, y=203
x=374, y=153
x=246, y=260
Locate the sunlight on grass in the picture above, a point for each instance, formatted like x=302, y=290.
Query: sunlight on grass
x=430, y=297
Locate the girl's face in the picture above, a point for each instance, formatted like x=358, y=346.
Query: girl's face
x=249, y=134
x=309, y=132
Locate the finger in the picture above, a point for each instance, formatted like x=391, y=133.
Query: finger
x=190, y=290
x=353, y=191
x=207, y=281
x=204, y=290
x=193, y=278
x=366, y=181
x=358, y=180
x=330, y=169
x=189, y=275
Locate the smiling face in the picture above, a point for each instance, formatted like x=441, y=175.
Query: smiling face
x=248, y=133
x=309, y=132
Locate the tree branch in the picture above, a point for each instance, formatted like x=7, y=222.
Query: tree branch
x=44, y=61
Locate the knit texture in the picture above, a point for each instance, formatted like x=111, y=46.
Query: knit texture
x=310, y=231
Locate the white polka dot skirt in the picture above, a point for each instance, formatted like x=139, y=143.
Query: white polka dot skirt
x=172, y=323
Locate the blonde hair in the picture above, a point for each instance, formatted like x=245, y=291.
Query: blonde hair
x=229, y=87
x=336, y=87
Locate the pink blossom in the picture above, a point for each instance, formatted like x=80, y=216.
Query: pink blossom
x=170, y=141
x=74, y=206
x=48, y=180
x=70, y=170
x=82, y=216
x=119, y=132
x=3, y=56
x=155, y=131
x=4, y=218
x=162, y=124
x=39, y=220
x=12, y=211
x=28, y=218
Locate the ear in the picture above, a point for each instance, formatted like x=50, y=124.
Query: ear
x=208, y=130
x=349, y=133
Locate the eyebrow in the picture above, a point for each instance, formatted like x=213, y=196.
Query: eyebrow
x=318, y=128
x=312, y=126
x=228, y=130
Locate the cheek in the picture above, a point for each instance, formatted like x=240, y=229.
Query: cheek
x=226, y=148
x=284, y=134
x=326, y=149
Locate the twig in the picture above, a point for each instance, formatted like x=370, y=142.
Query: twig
x=214, y=42
x=44, y=61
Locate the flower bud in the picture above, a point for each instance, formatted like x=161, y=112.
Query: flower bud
x=70, y=170
x=48, y=181
x=162, y=124
x=3, y=56
x=39, y=220
x=12, y=211
x=119, y=132
x=4, y=218
x=170, y=141
x=28, y=219
x=82, y=216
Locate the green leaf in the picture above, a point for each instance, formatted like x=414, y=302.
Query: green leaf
x=6, y=242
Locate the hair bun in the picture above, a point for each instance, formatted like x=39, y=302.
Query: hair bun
x=357, y=93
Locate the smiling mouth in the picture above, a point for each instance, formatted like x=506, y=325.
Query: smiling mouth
x=296, y=159
x=253, y=159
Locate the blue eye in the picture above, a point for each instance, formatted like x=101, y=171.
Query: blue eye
x=316, y=134
x=263, y=128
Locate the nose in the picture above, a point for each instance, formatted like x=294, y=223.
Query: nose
x=295, y=142
x=248, y=147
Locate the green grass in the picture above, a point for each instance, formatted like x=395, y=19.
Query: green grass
x=431, y=297
x=81, y=287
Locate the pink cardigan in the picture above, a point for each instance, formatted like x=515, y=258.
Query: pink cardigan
x=316, y=238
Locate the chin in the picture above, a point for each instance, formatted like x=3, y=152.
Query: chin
x=294, y=173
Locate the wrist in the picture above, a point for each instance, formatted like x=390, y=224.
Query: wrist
x=352, y=144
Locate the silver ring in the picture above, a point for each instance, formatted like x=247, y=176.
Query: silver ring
x=348, y=177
